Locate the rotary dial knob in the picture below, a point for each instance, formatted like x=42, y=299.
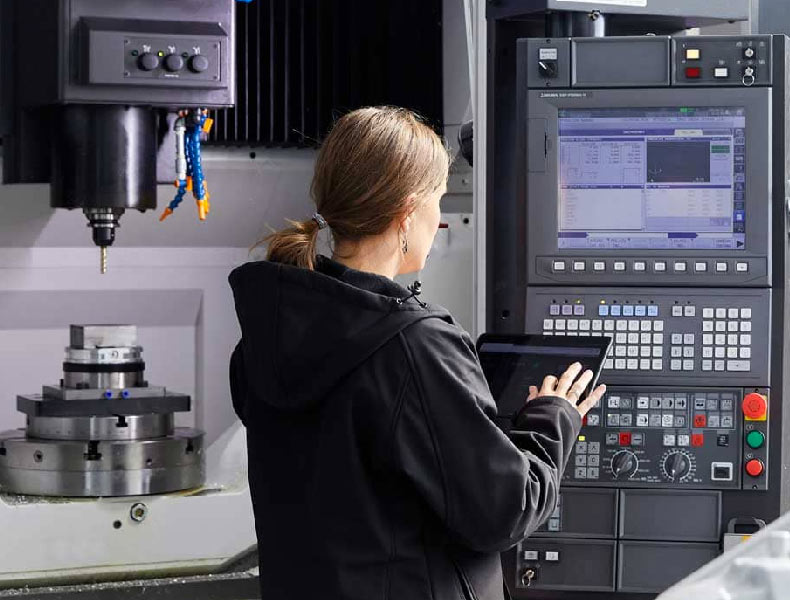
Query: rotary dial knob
x=624, y=464
x=676, y=466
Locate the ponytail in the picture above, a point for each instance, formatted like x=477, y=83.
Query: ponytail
x=295, y=245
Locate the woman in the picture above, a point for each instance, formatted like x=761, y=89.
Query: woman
x=375, y=467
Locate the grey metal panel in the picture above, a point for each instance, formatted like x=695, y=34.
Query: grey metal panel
x=589, y=513
x=539, y=49
x=687, y=10
x=536, y=141
x=542, y=215
x=620, y=62
x=587, y=565
x=654, y=566
x=670, y=515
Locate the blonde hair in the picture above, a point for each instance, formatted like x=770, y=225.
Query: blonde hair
x=368, y=166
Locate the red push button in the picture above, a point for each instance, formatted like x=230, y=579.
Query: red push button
x=625, y=439
x=755, y=467
x=693, y=72
x=700, y=421
x=697, y=440
x=755, y=407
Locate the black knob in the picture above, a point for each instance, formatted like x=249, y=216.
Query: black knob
x=548, y=69
x=173, y=63
x=676, y=466
x=148, y=61
x=198, y=63
x=624, y=464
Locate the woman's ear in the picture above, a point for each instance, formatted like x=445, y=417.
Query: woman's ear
x=408, y=217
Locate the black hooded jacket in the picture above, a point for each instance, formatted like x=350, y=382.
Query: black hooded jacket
x=375, y=466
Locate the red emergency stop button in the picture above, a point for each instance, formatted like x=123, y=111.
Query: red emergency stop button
x=755, y=407
x=755, y=467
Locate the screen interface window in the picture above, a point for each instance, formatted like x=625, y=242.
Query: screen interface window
x=511, y=368
x=652, y=178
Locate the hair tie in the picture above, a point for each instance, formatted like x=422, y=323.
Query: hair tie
x=322, y=224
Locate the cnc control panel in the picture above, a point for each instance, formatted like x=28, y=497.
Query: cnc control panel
x=650, y=175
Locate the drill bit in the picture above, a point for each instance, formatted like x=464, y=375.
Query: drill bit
x=103, y=253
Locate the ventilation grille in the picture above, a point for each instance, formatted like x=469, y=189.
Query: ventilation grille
x=300, y=63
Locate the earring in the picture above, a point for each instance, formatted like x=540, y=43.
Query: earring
x=405, y=246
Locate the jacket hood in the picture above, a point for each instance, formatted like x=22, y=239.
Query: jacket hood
x=304, y=331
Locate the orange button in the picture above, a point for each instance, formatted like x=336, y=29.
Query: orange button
x=755, y=407
x=755, y=467
x=697, y=440
x=700, y=421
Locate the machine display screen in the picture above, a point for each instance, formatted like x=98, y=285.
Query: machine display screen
x=652, y=178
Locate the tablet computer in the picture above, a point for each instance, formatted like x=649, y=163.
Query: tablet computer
x=512, y=363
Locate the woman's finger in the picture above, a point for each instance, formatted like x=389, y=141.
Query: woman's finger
x=533, y=392
x=568, y=378
x=591, y=400
x=581, y=383
x=549, y=386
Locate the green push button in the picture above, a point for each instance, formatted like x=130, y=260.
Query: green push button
x=755, y=439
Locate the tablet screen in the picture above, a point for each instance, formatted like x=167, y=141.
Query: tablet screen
x=513, y=363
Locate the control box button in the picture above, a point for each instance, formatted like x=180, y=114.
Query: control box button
x=755, y=439
x=755, y=407
x=697, y=440
x=693, y=53
x=721, y=72
x=755, y=467
x=693, y=72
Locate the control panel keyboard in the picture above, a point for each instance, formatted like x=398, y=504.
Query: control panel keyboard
x=660, y=333
x=702, y=437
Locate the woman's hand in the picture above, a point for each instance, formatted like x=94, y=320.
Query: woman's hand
x=570, y=388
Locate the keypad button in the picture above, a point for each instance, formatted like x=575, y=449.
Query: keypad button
x=713, y=421
x=584, y=325
x=548, y=324
x=721, y=339
x=597, y=325
x=659, y=266
x=603, y=310
x=746, y=326
x=652, y=311
x=573, y=325
x=558, y=266
x=599, y=266
x=675, y=365
x=640, y=266
x=689, y=311
x=644, y=352
x=688, y=365
x=619, y=364
x=721, y=267
x=676, y=352
x=619, y=266
x=658, y=338
x=707, y=365
x=721, y=326
x=707, y=339
x=739, y=366
x=707, y=352
x=688, y=352
x=707, y=313
x=720, y=352
x=726, y=421
x=721, y=313
x=718, y=365
x=633, y=325
x=554, y=310
x=732, y=313
x=641, y=311
x=700, y=267
x=567, y=310
x=658, y=325
x=677, y=311
x=658, y=351
x=742, y=267
x=688, y=338
x=593, y=460
x=707, y=326
x=615, y=310
x=633, y=351
x=559, y=324
x=594, y=447
x=642, y=420
x=732, y=339
x=579, y=265
x=619, y=351
x=745, y=353
x=642, y=402
x=732, y=352
x=608, y=325
x=732, y=326
x=608, y=364
x=655, y=420
x=628, y=310
x=677, y=338
x=644, y=364
x=746, y=340
x=578, y=310
x=621, y=338
x=644, y=338
x=633, y=364
x=746, y=313
x=679, y=266
x=658, y=364
x=633, y=338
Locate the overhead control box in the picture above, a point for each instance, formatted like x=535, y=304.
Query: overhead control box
x=142, y=52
